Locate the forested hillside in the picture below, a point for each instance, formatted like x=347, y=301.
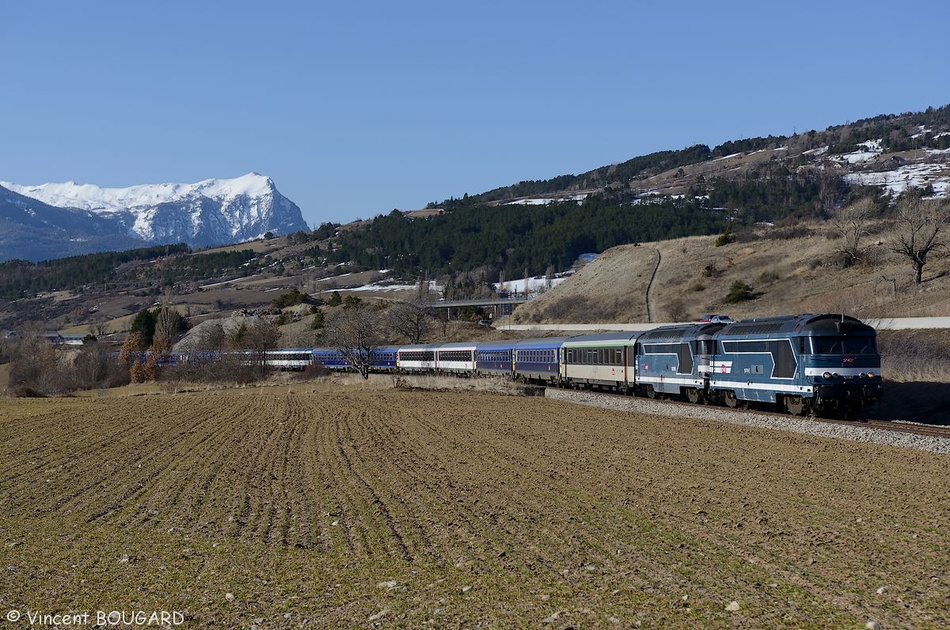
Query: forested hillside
x=512, y=240
x=20, y=278
x=530, y=239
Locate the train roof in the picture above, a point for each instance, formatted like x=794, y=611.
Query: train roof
x=602, y=338
x=418, y=347
x=827, y=323
x=546, y=342
x=496, y=345
x=681, y=331
x=458, y=345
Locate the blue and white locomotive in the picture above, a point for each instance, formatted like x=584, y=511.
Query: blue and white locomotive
x=803, y=363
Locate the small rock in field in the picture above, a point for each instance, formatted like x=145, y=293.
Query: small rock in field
x=553, y=617
x=229, y=596
x=882, y=590
x=389, y=584
x=872, y=625
x=466, y=589
x=733, y=606
x=379, y=615
x=125, y=559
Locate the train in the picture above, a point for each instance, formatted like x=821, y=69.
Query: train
x=821, y=364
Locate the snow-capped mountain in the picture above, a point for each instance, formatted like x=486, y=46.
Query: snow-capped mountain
x=210, y=212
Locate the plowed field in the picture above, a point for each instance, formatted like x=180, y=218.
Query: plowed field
x=335, y=507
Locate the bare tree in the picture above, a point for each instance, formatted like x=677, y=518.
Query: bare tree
x=211, y=337
x=355, y=332
x=167, y=324
x=851, y=224
x=92, y=366
x=920, y=230
x=34, y=365
x=414, y=319
x=262, y=335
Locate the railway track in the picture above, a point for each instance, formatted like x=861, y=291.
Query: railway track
x=898, y=426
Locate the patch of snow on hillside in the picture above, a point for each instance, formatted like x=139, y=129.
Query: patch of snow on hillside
x=529, y=286
x=908, y=176
x=872, y=148
x=388, y=286
x=543, y=202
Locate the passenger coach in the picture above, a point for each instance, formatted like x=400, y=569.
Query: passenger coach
x=605, y=360
x=536, y=360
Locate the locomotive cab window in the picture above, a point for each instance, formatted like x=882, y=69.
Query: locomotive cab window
x=843, y=345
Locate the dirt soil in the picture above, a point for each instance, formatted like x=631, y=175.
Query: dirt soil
x=321, y=506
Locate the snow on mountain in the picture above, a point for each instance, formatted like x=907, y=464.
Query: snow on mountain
x=209, y=212
x=95, y=198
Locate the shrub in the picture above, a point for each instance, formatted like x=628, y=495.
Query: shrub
x=739, y=292
x=725, y=238
x=768, y=277
x=291, y=298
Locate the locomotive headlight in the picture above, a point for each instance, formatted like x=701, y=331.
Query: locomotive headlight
x=826, y=376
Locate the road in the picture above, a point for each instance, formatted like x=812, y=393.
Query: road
x=892, y=323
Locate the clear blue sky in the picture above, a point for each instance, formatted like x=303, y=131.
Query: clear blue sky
x=356, y=108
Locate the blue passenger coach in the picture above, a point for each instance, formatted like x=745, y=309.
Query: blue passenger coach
x=537, y=359
x=331, y=359
x=802, y=363
x=383, y=359
x=495, y=357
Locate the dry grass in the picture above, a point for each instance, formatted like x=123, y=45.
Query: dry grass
x=791, y=275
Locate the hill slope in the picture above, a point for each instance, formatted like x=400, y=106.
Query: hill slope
x=788, y=275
